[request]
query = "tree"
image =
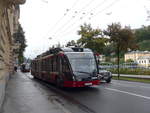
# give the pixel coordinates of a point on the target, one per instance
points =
(20, 38)
(144, 45)
(91, 38)
(71, 43)
(142, 34)
(122, 38)
(129, 61)
(109, 50)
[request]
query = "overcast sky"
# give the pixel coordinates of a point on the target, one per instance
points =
(49, 22)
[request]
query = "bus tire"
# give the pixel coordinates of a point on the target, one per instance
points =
(58, 82)
(35, 77)
(108, 80)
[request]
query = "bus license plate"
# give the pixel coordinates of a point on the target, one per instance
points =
(88, 84)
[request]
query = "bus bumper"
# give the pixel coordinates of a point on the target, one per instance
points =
(81, 83)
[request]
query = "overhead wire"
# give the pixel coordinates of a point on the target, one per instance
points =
(64, 15)
(73, 17)
(105, 8)
(86, 5)
(148, 13)
(57, 22)
(81, 18)
(97, 13)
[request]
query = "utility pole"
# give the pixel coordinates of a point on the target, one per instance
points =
(118, 60)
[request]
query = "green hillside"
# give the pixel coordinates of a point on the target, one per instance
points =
(143, 38)
(144, 45)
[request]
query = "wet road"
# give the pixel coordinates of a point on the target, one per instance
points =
(116, 97)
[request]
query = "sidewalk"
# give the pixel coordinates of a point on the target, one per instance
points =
(3, 82)
(23, 95)
(134, 76)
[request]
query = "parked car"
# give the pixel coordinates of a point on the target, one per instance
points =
(105, 75)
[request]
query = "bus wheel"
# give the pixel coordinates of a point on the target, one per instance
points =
(58, 82)
(108, 80)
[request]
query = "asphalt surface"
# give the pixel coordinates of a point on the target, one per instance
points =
(114, 97)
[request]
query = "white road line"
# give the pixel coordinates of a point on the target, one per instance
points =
(115, 83)
(129, 93)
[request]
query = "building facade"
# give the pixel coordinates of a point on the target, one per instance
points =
(135, 55)
(9, 15)
(144, 61)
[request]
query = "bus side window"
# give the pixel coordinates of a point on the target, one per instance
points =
(39, 65)
(58, 63)
(43, 65)
(65, 67)
(49, 65)
(35, 66)
(52, 64)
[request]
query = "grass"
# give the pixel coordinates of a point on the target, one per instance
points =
(132, 79)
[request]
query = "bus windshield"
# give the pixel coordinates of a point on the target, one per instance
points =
(82, 62)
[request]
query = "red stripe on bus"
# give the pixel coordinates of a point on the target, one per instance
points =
(80, 83)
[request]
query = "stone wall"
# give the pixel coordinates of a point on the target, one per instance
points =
(9, 15)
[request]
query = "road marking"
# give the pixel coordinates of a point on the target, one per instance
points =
(115, 83)
(129, 93)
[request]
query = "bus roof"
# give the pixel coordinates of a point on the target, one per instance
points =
(66, 49)
(76, 49)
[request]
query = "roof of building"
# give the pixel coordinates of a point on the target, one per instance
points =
(138, 52)
(144, 57)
